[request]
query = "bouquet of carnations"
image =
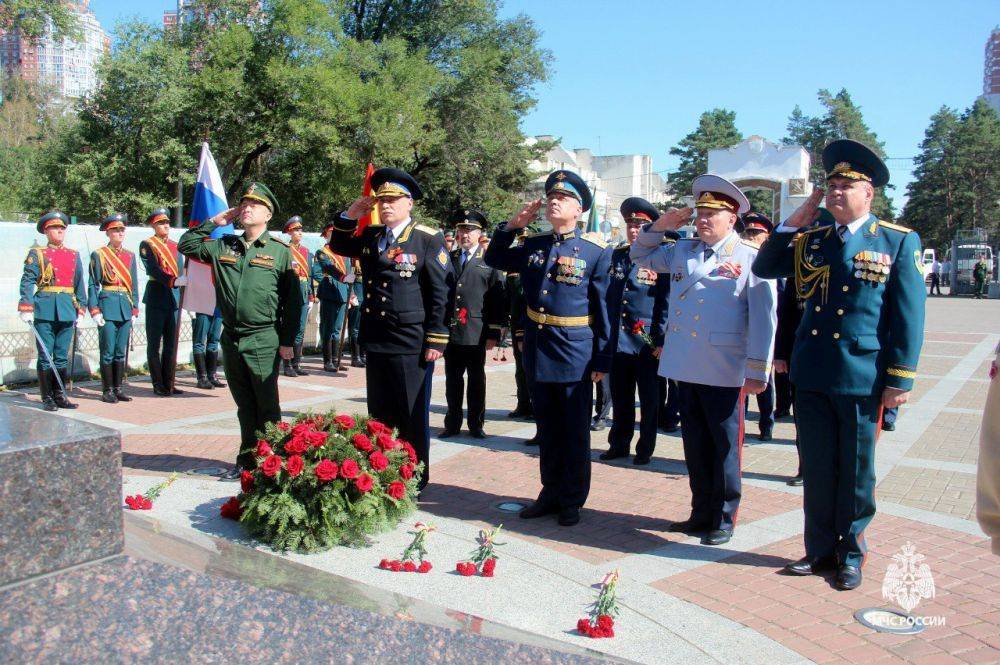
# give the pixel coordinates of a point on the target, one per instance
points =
(601, 622)
(483, 559)
(413, 558)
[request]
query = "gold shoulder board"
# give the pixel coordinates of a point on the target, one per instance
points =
(594, 238)
(894, 227)
(427, 229)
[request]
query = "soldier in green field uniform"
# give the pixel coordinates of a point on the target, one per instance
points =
(979, 274)
(162, 299)
(52, 299)
(113, 299)
(259, 295)
(856, 349)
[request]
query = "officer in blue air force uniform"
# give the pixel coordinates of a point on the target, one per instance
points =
(855, 350)
(719, 342)
(567, 340)
(637, 309)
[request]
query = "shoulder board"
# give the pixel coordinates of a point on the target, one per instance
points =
(519, 242)
(279, 241)
(689, 240)
(537, 234)
(749, 244)
(894, 227)
(595, 239)
(427, 229)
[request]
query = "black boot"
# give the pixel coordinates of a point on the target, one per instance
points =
(59, 394)
(117, 376)
(286, 368)
(211, 367)
(45, 390)
(107, 385)
(169, 382)
(297, 361)
(156, 376)
(357, 357)
(202, 372)
(328, 365)
(335, 354)
(362, 354)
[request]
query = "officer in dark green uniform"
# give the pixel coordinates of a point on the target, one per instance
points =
(162, 299)
(52, 299)
(855, 352)
(302, 261)
(113, 302)
(259, 294)
(333, 276)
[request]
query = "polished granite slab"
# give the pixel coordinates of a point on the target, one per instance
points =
(60, 493)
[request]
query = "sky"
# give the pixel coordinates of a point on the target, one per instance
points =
(633, 76)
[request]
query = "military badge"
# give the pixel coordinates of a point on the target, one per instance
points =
(729, 270)
(443, 257)
(405, 264)
(537, 258)
(645, 276)
(677, 276)
(393, 252)
(617, 271)
(570, 270)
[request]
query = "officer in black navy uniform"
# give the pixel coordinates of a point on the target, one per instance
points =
(756, 228)
(407, 276)
(637, 307)
(567, 341)
(477, 316)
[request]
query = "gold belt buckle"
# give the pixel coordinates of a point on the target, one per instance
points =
(541, 318)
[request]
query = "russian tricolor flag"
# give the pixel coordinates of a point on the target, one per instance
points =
(209, 200)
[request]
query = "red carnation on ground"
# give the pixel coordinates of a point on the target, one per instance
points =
(465, 568)
(397, 490)
(231, 509)
(316, 439)
(246, 481)
(378, 461)
(601, 623)
(364, 483)
(488, 567)
(409, 567)
(424, 567)
(263, 448)
(362, 443)
(344, 421)
(386, 442)
(406, 471)
(271, 466)
(295, 465)
(138, 502)
(296, 445)
(326, 470)
(349, 469)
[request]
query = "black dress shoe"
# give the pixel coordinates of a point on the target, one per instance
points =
(688, 526)
(781, 414)
(809, 565)
(795, 481)
(640, 460)
(477, 434)
(447, 433)
(537, 509)
(569, 516)
(612, 454)
(848, 577)
(717, 537)
(765, 435)
(533, 441)
(671, 428)
(888, 427)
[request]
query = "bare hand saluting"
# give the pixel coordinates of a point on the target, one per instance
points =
(360, 207)
(227, 216)
(806, 213)
(525, 216)
(671, 220)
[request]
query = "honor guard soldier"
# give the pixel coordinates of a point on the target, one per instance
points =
(407, 276)
(355, 301)
(334, 277)
(567, 340)
(637, 307)
(756, 229)
(477, 315)
(162, 299)
(261, 299)
(52, 300)
(719, 341)
(302, 262)
(855, 352)
(113, 302)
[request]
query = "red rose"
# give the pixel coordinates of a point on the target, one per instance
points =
(316, 439)
(296, 445)
(138, 502)
(246, 481)
(325, 471)
(317, 422)
(283, 426)
(295, 465)
(375, 427)
(384, 564)
(263, 448)
(349, 469)
(638, 328)
(424, 567)
(395, 566)
(344, 421)
(463, 315)
(378, 461)
(488, 567)
(406, 471)
(362, 443)
(409, 567)
(302, 429)
(397, 490)
(271, 466)
(410, 452)
(364, 483)
(386, 442)
(605, 622)
(231, 509)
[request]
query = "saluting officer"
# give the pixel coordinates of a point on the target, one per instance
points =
(720, 338)
(52, 302)
(260, 297)
(113, 302)
(567, 340)
(637, 306)
(302, 262)
(355, 301)
(756, 229)
(407, 275)
(162, 299)
(334, 278)
(477, 315)
(856, 350)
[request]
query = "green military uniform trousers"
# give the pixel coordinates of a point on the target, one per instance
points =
(113, 339)
(304, 317)
(206, 331)
(331, 320)
(57, 337)
(251, 362)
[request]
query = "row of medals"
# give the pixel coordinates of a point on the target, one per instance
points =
(872, 267)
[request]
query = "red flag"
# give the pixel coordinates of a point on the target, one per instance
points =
(366, 190)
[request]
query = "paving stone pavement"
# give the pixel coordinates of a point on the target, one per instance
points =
(925, 495)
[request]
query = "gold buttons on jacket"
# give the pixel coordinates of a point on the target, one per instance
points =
(624, 302)
(682, 297)
(694, 334)
(845, 288)
(840, 312)
(697, 317)
(836, 335)
(541, 309)
(818, 308)
(701, 301)
(815, 332)
(545, 292)
(383, 298)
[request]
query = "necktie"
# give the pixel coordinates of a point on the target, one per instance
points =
(465, 257)
(843, 230)
(386, 241)
(708, 253)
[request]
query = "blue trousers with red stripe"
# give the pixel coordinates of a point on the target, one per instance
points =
(712, 432)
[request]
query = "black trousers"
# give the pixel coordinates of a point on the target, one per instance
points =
(712, 432)
(784, 393)
(765, 406)
(521, 380)
(602, 406)
(670, 410)
(562, 414)
(630, 371)
(460, 360)
(399, 395)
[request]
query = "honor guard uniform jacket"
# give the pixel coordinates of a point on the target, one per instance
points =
(637, 304)
(329, 271)
(52, 284)
(113, 287)
(163, 266)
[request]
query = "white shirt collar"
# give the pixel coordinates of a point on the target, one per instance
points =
(717, 246)
(391, 234)
(855, 225)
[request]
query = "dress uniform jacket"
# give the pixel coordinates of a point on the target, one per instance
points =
(636, 295)
(302, 263)
(52, 284)
(329, 271)
(722, 318)
(163, 266)
(113, 287)
(477, 301)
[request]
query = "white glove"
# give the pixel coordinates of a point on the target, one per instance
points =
(135, 319)
(309, 306)
(27, 317)
(349, 278)
(79, 318)
(192, 314)
(181, 281)
(99, 320)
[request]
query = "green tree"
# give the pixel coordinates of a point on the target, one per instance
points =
(27, 117)
(31, 17)
(716, 129)
(931, 208)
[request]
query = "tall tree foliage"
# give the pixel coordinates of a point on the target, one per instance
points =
(27, 117)
(31, 17)
(716, 129)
